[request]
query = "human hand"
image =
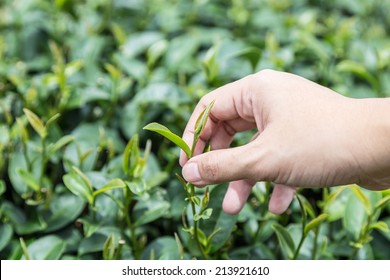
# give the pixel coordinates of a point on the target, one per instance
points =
(308, 136)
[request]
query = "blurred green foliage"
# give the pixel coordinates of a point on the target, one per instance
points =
(79, 79)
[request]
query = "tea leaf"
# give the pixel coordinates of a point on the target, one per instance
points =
(29, 179)
(2, 187)
(49, 247)
(52, 119)
(381, 226)
(161, 248)
(78, 186)
(36, 123)
(202, 120)
(112, 185)
(64, 209)
(156, 127)
(83, 177)
(354, 217)
(179, 246)
(109, 248)
(205, 215)
(195, 200)
(183, 182)
(285, 240)
(131, 155)
(206, 198)
(24, 249)
(22, 130)
(383, 202)
(148, 211)
(362, 197)
(62, 142)
(218, 219)
(315, 223)
(6, 233)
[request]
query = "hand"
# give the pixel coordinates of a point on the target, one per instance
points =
(308, 136)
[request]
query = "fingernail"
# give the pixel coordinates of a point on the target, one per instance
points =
(191, 172)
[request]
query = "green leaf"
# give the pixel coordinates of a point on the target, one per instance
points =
(109, 248)
(163, 248)
(195, 199)
(78, 186)
(359, 70)
(52, 120)
(73, 67)
(362, 197)
(83, 177)
(22, 222)
(285, 240)
(2, 187)
(92, 244)
(149, 211)
(354, 217)
(218, 220)
(383, 202)
(36, 123)
(63, 210)
(131, 156)
(381, 226)
(22, 130)
(179, 246)
(206, 198)
(182, 181)
(205, 215)
(156, 127)
(315, 223)
(112, 185)
(6, 233)
(202, 120)
(62, 142)
(24, 248)
(49, 247)
(29, 179)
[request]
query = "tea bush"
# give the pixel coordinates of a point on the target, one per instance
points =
(79, 80)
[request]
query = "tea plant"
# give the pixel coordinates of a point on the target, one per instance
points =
(79, 178)
(203, 242)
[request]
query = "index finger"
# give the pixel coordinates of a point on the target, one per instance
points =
(232, 112)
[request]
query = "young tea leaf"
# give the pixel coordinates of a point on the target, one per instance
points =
(179, 246)
(109, 248)
(112, 185)
(36, 123)
(205, 215)
(383, 202)
(182, 181)
(78, 186)
(29, 179)
(164, 131)
(315, 223)
(131, 156)
(362, 197)
(201, 123)
(52, 119)
(62, 142)
(381, 226)
(285, 240)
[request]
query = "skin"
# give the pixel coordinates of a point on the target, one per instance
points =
(308, 136)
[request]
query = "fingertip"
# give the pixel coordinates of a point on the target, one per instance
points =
(281, 199)
(236, 196)
(183, 159)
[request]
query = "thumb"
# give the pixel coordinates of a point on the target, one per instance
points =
(223, 165)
